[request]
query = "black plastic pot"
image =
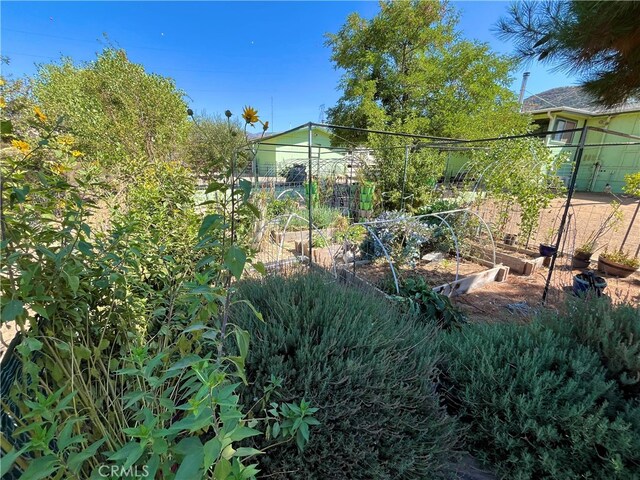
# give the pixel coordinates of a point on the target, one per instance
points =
(581, 260)
(547, 250)
(587, 282)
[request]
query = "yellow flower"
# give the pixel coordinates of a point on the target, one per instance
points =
(59, 168)
(41, 116)
(21, 145)
(76, 153)
(250, 115)
(66, 140)
(3, 104)
(1, 81)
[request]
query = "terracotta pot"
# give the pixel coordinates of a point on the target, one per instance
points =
(613, 268)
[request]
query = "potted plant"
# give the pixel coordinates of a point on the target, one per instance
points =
(547, 249)
(618, 264)
(582, 255)
(586, 282)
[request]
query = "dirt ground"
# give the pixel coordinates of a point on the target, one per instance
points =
(520, 297)
(587, 212)
(435, 273)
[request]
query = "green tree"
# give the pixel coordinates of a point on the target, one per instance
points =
(127, 127)
(598, 40)
(212, 141)
(408, 69)
(121, 116)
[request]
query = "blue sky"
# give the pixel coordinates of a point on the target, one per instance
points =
(224, 55)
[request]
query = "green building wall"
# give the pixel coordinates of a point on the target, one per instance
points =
(273, 155)
(600, 165)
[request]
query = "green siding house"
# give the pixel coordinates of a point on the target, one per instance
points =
(276, 152)
(567, 108)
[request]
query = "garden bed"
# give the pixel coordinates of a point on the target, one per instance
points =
(519, 260)
(441, 276)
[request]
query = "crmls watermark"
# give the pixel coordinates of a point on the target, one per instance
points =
(111, 471)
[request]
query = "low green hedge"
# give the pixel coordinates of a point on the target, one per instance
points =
(538, 405)
(368, 368)
(612, 331)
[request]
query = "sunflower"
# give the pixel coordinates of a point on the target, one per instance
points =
(21, 145)
(41, 116)
(250, 115)
(3, 103)
(76, 153)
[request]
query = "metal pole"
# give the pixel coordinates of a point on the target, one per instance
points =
(626, 235)
(309, 152)
(572, 186)
(525, 77)
(404, 175)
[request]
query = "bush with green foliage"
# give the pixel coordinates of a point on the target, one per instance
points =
(282, 206)
(369, 369)
(538, 405)
(322, 217)
(430, 305)
(121, 356)
(611, 330)
(400, 236)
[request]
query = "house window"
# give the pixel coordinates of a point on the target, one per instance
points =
(564, 124)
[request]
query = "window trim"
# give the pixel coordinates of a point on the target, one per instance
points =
(563, 137)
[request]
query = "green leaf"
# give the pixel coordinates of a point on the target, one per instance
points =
(196, 327)
(65, 437)
(253, 309)
(185, 362)
(245, 187)
(74, 283)
(246, 452)
(11, 310)
(6, 127)
(260, 268)
(222, 470)
(30, 344)
(235, 260)
(242, 340)
(216, 187)
(240, 433)
(209, 222)
(8, 460)
(41, 467)
(76, 460)
(250, 471)
(304, 429)
(253, 209)
(40, 310)
(212, 451)
(192, 464)
(128, 450)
